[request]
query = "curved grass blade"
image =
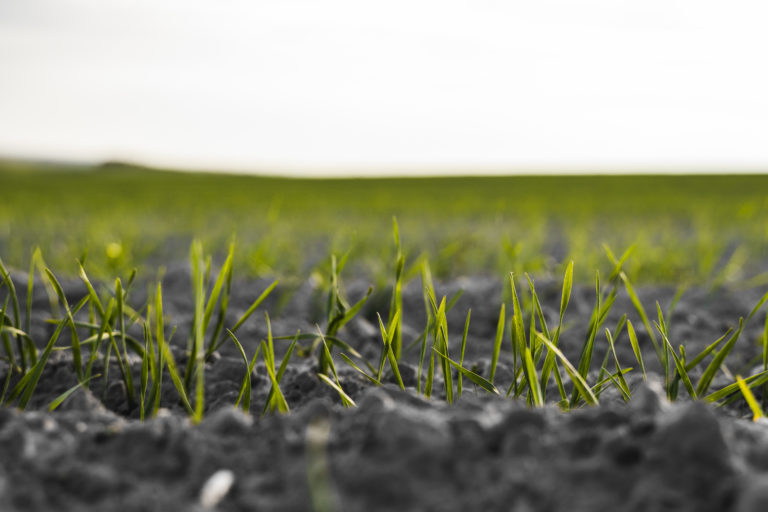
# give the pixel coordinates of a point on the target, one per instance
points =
(91, 291)
(16, 318)
(643, 316)
(76, 354)
(278, 399)
(345, 398)
(725, 392)
(680, 366)
(622, 383)
(283, 365)
(598, 388)
(60, 399)
(750, 398)
(178, 383)
(245, 388)
(472, 376)
(254, 306)
(26, 386)
(388, 338)
(636, 348)
(578, 381)
(708, 350)
(717, 361)
(351, 363)
(218, 287)
(332, 368)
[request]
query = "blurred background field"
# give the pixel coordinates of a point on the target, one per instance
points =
(707, 230)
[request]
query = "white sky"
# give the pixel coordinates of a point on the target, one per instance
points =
(344, 85)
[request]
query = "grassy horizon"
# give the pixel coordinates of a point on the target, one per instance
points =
(703, 229)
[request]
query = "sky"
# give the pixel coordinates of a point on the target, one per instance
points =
(396, 86)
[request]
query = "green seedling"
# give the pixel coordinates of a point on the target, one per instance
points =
(497, 344)
(396, 305)
(335, 383)
(388, 353)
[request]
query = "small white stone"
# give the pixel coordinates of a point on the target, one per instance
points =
(49, 425)
(216, 487)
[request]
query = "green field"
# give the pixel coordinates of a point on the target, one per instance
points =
(706, 230)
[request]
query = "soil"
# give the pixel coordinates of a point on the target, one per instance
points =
(396, 450)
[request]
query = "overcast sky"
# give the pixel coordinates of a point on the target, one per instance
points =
(344, 85)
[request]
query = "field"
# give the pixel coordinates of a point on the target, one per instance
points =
(177, 341)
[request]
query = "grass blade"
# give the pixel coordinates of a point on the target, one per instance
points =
(750, 398)
(708, 350)
(178, 383)
(60, 399)
(245, 388)
(198, 354)
(518, 327)
(497, 343)
(680, 366)
(387, 338)
(636, 348)
(254, 306)
(643, 316)
(348, 402)
(717, 361)
(16, 318)
(26, 386)
(622, 383)
(461, 353)
(549, 359)
(76, 355)
(472, 376)
(351, 363)
(283, 364)
(157, 382)
(396, 304)
(345, 398)
(532, 378)
(278, 398)
(578, 381)
(723, 393)
(31, 349)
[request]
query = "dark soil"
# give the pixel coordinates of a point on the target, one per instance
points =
(396, 450)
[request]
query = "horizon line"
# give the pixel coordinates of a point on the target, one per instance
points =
(395, 171)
